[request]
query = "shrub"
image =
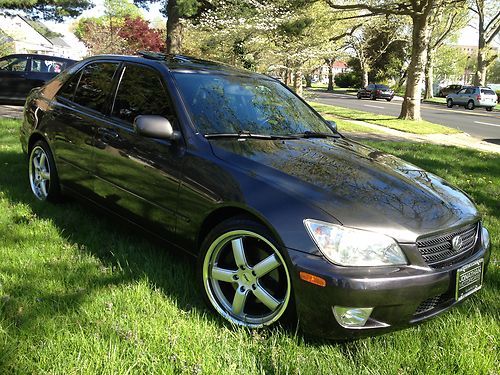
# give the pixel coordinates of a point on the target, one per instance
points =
(348, 79)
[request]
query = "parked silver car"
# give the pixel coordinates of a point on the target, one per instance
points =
(473, 96)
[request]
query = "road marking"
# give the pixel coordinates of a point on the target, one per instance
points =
(373, 106)
(486, 123)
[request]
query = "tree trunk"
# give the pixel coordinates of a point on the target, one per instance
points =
(297, 82)
(330, 77)
(365, 76)
(308, 78)
(410, 110)
(480, 76)
(429, 74)
(174, 28)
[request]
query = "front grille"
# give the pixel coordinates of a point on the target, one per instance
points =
(438, 251)
(430, 304)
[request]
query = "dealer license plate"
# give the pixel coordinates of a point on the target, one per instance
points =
(469, 279)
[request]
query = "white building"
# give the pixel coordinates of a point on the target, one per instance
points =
(26, 39)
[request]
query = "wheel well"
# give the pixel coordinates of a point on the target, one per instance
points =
(220, 215)
(35, 137)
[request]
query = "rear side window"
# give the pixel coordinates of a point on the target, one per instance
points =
(41, 65)
(95, 85)
(141, 92)
(68, 90)
(470, 90)
(14, 64)
(487, 92)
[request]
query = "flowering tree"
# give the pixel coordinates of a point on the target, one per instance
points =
(139, 36)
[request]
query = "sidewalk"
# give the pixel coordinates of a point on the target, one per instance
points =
(459, 140)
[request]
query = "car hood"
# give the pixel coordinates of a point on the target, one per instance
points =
(359, 186)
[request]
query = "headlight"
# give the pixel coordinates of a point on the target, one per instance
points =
(354, 247)
(485, 237)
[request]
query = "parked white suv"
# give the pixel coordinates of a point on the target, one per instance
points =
(473, 96)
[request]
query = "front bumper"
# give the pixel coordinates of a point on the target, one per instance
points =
(400, 296)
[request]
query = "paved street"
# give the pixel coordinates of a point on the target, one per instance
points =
(478, 123)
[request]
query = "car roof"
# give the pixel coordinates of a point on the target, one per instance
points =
(38, 55)
(181, 63)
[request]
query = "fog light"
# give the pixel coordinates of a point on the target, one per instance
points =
(351, 317)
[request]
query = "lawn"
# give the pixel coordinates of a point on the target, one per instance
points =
(416, 127)
(442, 101)
(81, 293)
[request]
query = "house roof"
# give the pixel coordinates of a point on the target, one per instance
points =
(58, 41)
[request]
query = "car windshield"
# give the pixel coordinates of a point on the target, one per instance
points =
(382, 87)
(230, 104)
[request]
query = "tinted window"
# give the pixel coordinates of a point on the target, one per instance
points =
(470, 90)
(43, 65)
(141, 92)
(487, 92)
(68, 90)
(14, 64)
(231, 104)
(461, 91)
(382, 87)
(370, 87)
(95, 85)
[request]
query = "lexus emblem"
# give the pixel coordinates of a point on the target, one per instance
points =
(456, 243)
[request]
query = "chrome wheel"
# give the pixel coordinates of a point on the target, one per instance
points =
(246, 279)
(39, 173)
(470, 105)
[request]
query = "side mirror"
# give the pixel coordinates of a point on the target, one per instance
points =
(154, 126)
(333, 125)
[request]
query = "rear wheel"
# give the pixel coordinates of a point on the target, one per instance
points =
(470, 105)
(358, 96)
(243, 275)
(449, 103)
(489, 109)
(44, 181)
(388, 99)
(373, 97)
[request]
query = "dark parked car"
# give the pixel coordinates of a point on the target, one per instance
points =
(21, 73)
(451, 89)
(287, 217)
(374, 91)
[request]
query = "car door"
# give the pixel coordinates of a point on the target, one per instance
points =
(13, 72)
(459, 97)
(77, 111)
(138, 177)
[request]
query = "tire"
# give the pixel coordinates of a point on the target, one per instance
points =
(44, 181)
(388, 99)
(470, 105)
(489, 109)
(373, 97)
(358, 96)
(243, 276)
(449, 103)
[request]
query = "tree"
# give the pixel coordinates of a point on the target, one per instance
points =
(372, 40)
(139, 36)
(419, 11)
(444, 25)
(48, 9)
(488, 26)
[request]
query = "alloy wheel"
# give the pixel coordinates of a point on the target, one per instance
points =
(246, 279)
(470, 105)
(39, 173)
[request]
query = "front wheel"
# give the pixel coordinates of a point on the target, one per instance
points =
(388, 99)
(470, 105)
(489, 109)
(449, 103)
(244, 277)
(358, 96)
(44, 181)
(373, 97)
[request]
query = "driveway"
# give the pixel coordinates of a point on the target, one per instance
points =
(12, 111)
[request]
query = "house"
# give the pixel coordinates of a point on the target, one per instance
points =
(24, 38)
(321, 73)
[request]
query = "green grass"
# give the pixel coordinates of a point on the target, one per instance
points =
(350, 127)
(82, 294)
(442, 101)
(416, 127)
(337, 90)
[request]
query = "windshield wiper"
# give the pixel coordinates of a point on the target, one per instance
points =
(247, 134)
(310, 134)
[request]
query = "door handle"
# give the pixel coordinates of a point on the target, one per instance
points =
(107, 134)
